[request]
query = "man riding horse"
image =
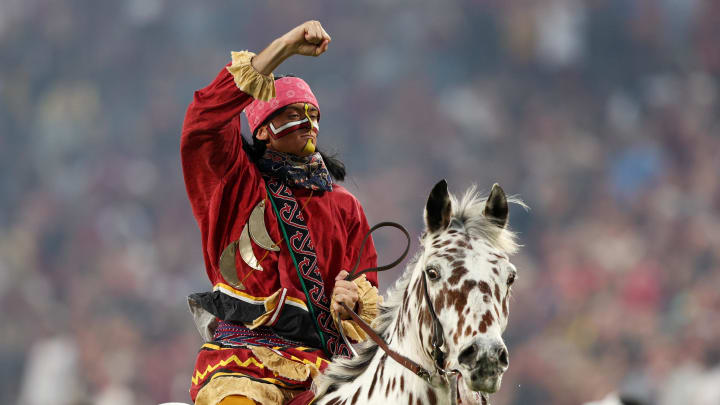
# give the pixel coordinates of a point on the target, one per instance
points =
(277, 231)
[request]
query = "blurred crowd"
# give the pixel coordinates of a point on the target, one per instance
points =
(602, 115)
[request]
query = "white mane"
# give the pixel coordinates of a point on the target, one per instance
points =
(469, 211)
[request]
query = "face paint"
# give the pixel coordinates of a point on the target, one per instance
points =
(309, 147)
(305, 123)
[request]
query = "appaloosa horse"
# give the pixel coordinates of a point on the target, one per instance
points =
(454, 294)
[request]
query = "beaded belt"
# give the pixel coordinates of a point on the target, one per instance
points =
(232, 334)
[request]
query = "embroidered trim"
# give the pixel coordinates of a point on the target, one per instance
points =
(232, 334)
(302, 252)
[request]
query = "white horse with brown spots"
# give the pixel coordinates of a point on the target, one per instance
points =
(464, 269)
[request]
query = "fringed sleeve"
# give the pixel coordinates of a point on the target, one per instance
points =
(249, 80)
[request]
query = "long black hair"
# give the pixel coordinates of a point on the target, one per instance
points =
(256, 149)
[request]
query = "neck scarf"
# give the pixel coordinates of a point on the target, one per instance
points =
(298, 171)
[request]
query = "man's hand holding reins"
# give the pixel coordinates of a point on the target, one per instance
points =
(346, 292)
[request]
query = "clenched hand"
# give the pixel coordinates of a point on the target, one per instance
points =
(346, 292)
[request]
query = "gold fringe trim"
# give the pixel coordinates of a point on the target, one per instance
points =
(282, 366)
(249, 80)
(368, 310)
(219, 388)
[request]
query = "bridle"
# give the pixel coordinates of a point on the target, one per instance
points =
(431, 377)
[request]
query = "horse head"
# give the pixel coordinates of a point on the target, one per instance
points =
(464, 266)
(446, 314)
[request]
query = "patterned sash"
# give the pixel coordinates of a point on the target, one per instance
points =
(302, 251)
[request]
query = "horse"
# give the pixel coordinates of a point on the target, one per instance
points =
(454, 294)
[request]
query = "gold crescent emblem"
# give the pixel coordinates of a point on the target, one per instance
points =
(227, 266)
(258, 231)
(246, 252)
(254, 229)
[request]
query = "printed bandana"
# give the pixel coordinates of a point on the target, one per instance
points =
(299, 171)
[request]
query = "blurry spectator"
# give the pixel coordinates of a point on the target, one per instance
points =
(602, 116)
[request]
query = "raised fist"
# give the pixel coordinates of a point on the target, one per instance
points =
(308, 38)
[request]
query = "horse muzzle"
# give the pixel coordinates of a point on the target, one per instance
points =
(482, 365)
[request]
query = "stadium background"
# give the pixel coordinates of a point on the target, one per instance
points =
(601, 114)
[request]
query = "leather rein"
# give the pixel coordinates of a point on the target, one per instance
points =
(437, 339)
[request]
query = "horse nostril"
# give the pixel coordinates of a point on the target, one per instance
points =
(503, 357)
(467, 356)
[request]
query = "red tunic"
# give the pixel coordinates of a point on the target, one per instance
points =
(224, 186)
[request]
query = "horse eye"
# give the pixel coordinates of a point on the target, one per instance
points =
(433, 273)
(511, 279)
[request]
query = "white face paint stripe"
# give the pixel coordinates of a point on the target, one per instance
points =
(292, 123)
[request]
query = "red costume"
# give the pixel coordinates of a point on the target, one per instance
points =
(278, 344)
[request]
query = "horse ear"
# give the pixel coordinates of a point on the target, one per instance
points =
(437, 209)
(496, 207)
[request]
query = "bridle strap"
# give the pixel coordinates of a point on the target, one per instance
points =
(437, 340)
(404, 361)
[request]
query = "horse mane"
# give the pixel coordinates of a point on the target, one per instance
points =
(469, 211)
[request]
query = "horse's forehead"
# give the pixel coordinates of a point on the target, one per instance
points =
(453, 244)
(467, 258)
